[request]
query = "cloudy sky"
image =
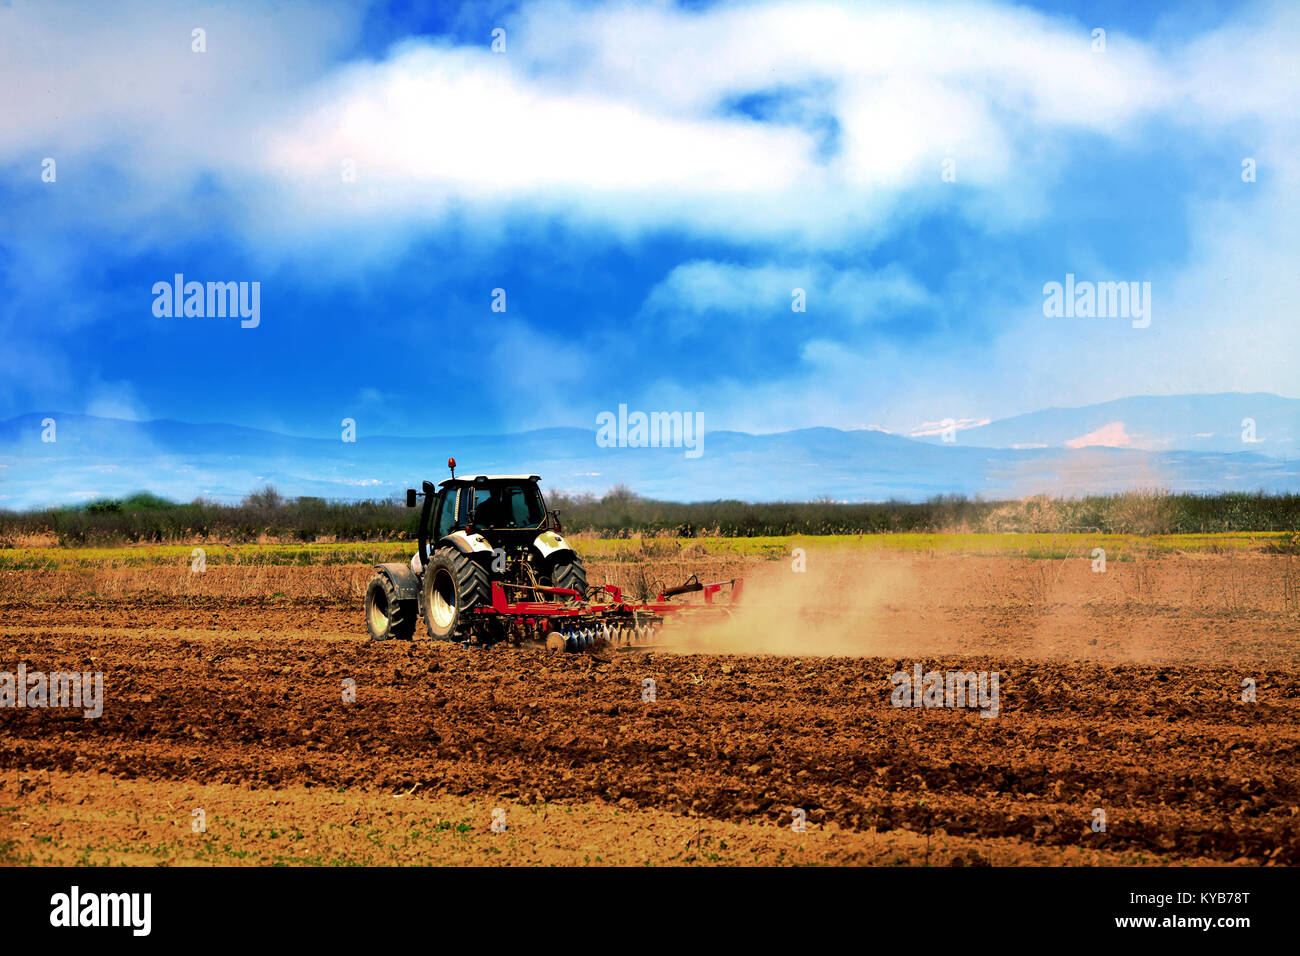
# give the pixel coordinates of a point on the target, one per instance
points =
(649, 184)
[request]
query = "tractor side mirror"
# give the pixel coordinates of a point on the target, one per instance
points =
(410, 497)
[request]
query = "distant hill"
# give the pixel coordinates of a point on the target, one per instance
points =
(1208, 423)
(1185, 443)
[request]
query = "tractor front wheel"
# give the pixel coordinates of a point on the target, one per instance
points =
(454, 584)
(567, 572)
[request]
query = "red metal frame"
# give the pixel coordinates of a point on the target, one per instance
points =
(576, 606)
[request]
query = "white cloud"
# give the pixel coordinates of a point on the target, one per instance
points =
(617, 116)
(121, 79)
(930, 429)
(701, 286)
(614, 115)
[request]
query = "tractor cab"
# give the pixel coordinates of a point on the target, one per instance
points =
(490, 502)
(506, 510)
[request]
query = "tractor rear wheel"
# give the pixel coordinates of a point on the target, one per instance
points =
(454, 584)
(386, 616)
(567, 572)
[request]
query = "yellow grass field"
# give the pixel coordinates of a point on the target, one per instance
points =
(1118, 547)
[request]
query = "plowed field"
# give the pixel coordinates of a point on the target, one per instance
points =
(1120, 699)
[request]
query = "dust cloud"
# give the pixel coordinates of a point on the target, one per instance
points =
(838, 605)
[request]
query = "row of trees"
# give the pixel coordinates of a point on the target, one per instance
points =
(268, 514)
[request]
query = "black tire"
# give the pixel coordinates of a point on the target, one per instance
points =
(567, 572)
(454, 584)
(387, 618)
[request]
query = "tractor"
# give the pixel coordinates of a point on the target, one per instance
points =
(474, 532)
(491, 564)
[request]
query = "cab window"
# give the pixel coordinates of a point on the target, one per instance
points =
(508, 506)
(444, 521)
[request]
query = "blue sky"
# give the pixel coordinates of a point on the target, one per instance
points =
(648, 183)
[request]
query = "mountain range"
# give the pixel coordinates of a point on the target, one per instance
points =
(1198, 443)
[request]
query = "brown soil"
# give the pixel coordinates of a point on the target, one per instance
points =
(1120, 693)
(68, 819)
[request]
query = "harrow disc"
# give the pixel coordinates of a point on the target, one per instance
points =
(634, 635)
(621, 636)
